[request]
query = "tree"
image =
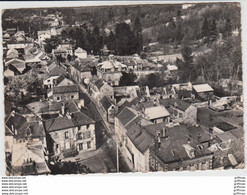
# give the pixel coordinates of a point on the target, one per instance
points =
(205, 28)
(213, 31)
(125, 40)
(228, 28)
(127, 79)
(111, 42)
(97, 40)
(186, 67)
(137, 29)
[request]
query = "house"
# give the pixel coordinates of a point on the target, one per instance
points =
(175, 150)
(62, 93)
(80, 53)
(51, 65)
(111, 71)
(28, 159)
(71, 133)
(203, 91)
(134, 140)
(20, 36)
(98, 88)
(80, 71)
(109, 109)
(126, 92)
(48, 81)
(180, 111)
(62, 81)
(8, 73)
(63, 50)
(23, 129)
(172, 71)
(154, 112)
(19, 64)
(18, 45)
(12, 53)
(6, 37)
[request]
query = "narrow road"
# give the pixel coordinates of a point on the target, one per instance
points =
(107, 126)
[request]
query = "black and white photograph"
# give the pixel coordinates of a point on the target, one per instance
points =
(132, 88)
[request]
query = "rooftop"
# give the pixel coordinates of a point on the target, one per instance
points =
(156, 112)
(65, 89)
(126, 116)
(203, 88)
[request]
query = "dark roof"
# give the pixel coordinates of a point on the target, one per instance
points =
(125, 104)
(82, 66)
(65, 89)
(106, 103)
(16, 120)
(126, 116)
(58, 123)
(81, 119)
(71, 107)
(147, 104)
(32, 129)
(199, 134)
(180, 104)
(140, 138)
(224, 126)
(60, 79)
(172, 150)
(57, 71)
(99, 83)
(65, 122)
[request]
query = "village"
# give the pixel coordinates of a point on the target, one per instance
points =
(71, 111)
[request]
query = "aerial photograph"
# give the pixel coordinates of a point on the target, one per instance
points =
(123, 88)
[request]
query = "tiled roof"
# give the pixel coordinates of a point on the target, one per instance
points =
(65, 89)
(77, 119)
(139, 137)
(58, 124)
(106, 103)
(81, 119)
(82, 65)
(99, 83)
(172, 149)
(180, 104)
(126, 116)
(33, 129)
(17, 121)
(199, 134)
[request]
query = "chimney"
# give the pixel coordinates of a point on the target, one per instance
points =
(119, 68)
(81, 103)
(164, 132)
(68, 116)
(63, 109)
(199, 137)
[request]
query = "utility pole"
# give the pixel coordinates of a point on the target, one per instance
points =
(117, 157)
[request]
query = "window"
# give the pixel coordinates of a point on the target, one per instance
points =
(200, 147)
(88, 145)
(72, 96)
(79, 136)
(66, 135)
(58, 98)
(48, 80)
(81, 146)
(67, 145)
